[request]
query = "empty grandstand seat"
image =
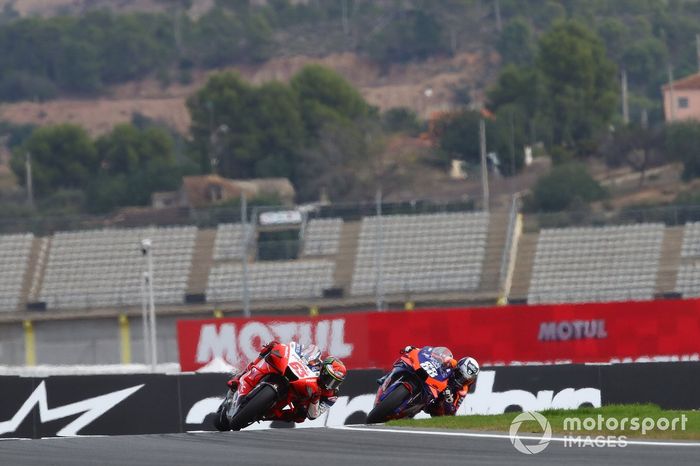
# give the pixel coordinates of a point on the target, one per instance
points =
(14, 257)
(103, 268)
(420, 253)
(229, 241)
(688, 280)
(613, 263)
(271, 280)
(322, 236)
(691, 240)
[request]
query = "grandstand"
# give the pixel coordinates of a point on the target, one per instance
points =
(688, 282)
(271, 280)
(332, 259)
(420, 253)
(103, 268)
(14, 257)
(614, 263)
(322, 237)
(434, 256)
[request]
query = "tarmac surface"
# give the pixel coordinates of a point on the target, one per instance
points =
(330, 447)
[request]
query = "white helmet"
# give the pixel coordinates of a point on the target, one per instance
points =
(467, 370)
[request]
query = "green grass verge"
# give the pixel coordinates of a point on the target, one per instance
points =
(501, 422)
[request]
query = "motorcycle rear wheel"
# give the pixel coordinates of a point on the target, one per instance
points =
(388, 405)
(255, 408)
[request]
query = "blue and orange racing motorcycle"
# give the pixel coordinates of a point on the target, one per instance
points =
(416, 380)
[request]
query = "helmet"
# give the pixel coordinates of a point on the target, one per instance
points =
(467, 370)
(332, 373)
(312, 355)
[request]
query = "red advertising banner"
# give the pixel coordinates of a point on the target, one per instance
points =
(546, 334)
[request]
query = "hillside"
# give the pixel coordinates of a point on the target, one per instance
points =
(56, 7)
(399, 85)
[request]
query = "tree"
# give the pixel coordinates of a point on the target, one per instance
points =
(516, 44)
(135, 163)
(580, 82)
(635, 146)
(509, 138)
(63, 157)
(342, 162)
(520, 86)
(401, 120)
(255, 131)
(127, 149)
(681, 141)
(324, 97)
(411, 35)
(458, 136)
(563, 187)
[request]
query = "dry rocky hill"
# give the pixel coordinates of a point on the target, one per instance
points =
(400, 85)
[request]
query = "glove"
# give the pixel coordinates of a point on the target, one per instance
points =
(407, 349)
(268, 347)
(234, 380)
(449, 397)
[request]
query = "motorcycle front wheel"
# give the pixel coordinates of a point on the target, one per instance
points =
(255, 408)
(221, 421)
(387, 407)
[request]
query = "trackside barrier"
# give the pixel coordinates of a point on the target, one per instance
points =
(664, 330)
(152, 403)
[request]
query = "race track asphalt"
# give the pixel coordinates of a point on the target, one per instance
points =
(323, 446)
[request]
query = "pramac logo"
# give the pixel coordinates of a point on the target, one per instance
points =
(238, 344)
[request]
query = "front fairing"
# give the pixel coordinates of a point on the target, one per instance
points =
(434, 368)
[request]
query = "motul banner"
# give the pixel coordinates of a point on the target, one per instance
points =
(511, 335)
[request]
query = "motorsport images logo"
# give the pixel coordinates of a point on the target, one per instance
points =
(587, 431)
(517, 440)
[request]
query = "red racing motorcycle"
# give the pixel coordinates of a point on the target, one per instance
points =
(268, 389)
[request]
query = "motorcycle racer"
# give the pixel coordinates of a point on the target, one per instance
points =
(321, 396)
(331, 376)
(464, 375)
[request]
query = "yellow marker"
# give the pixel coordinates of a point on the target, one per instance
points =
(29, 344)
(313, 311)
(409, 305)
(218, 314)
(502, 301)
(125, 339)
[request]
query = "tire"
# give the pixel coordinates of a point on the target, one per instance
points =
(255, 408)
(388, 405)
(220, 420)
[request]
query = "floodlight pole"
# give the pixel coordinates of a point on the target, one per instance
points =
(30, 187)
(144, 319)
(378, 253)
(152, 312)
(244, 255)
(147, 251)
(484, 167)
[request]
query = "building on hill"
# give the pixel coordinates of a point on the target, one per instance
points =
(682, 99)
(209, 190)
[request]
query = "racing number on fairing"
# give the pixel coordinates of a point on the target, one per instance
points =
(299, 369)
(429, 368)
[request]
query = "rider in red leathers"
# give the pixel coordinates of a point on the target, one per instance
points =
(331, 374)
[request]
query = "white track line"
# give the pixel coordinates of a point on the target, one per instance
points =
(504, 436)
